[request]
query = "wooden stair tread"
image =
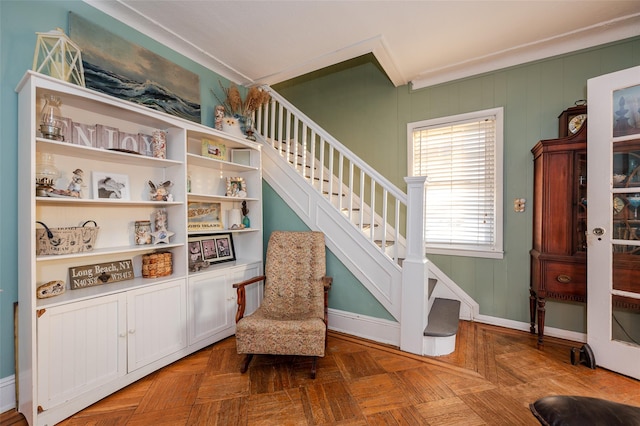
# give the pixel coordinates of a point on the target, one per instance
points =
(443, 318)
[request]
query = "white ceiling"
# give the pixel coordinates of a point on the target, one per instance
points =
(418, 42)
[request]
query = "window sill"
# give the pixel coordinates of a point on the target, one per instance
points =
(465, 253)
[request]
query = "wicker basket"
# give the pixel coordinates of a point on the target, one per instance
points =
(73, 239)
(156, 265)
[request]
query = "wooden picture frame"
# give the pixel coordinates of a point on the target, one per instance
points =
(236, 187)
(211, 248)
(110, 186)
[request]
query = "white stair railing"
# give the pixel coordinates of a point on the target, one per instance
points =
(370, 201)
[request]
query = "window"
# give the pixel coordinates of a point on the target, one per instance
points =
(461, 156)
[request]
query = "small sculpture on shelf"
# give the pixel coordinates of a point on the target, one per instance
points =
(74, 189)
(50, 289)
(245, 219)
(161, 234)
(160, 192)
(75, 186)
(219, 116)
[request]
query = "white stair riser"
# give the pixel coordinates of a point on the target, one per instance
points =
(438, 346)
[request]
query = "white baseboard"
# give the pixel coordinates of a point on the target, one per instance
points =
(376, 329)
(525, 326)
(7, 393)
(388, 332)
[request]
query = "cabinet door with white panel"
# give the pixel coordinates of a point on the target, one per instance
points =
(156, 322)
(212, 302)
(81, 346)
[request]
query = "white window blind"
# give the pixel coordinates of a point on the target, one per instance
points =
(462, 161)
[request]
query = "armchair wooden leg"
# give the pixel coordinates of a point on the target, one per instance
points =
(245, 363)
(314, 361)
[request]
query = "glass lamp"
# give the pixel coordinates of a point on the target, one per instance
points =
(46, 174)
(56, 55)
(50, 124)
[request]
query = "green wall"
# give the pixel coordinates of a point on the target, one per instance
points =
(358, 105)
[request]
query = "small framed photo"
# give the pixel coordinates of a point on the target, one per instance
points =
(110, 186)
(236, 187)
(211, 249)
(213, 149)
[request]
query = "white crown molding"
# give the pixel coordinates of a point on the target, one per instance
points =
(606, 32)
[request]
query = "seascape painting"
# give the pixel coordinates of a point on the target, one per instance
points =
(122, 69)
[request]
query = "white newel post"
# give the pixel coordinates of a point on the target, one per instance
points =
(414, 270)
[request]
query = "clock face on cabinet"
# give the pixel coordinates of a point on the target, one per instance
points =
(576, 123)
(572, 119)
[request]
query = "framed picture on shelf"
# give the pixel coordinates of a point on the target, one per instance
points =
(236, 187)
(241, 156)
(204, 217)
(110, 186)
(211, 249)
(213, 149)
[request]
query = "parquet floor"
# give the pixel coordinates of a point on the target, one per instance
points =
(492, 377)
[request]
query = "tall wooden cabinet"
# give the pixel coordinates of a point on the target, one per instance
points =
(79, 346)
(558, 255)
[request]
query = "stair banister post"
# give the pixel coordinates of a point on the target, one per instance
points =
(413, 317)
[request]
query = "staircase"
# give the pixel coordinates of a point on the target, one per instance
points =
(375, 229)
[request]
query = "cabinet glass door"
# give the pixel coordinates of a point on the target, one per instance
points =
(613, 224)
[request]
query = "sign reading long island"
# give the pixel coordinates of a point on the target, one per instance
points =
(101, 273)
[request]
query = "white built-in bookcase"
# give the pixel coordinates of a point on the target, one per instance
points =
(77, 347)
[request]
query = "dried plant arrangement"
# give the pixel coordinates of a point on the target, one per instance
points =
(255, 98)
(235, 106)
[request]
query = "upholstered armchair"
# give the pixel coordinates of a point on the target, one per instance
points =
(292, 318)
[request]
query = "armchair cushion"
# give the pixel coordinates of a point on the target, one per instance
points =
(261, 335)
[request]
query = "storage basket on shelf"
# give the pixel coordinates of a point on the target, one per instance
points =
(156, 265)
(68, 240)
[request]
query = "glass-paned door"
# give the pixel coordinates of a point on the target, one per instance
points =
(613, 223)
